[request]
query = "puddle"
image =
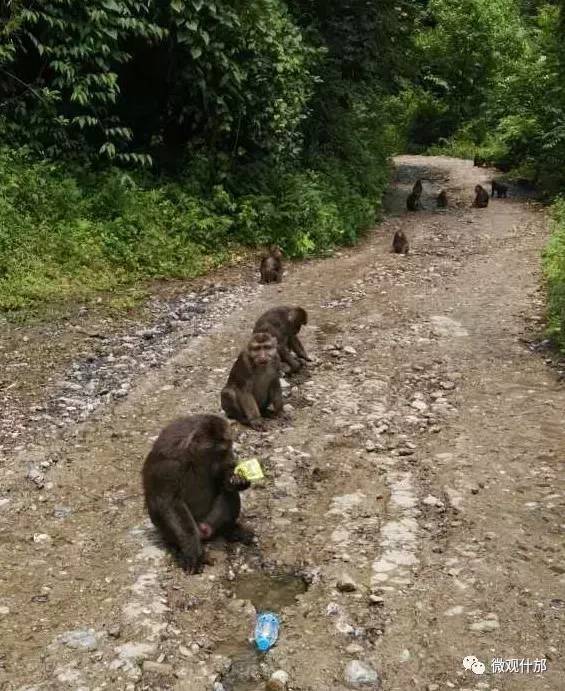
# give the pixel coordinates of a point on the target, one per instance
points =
(272, 592)
(266, 592)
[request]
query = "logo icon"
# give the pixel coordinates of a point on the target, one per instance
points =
(473, 664)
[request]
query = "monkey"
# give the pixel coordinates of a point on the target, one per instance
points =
(442, 200)
(253, 383)
(481, 198)
(191, 491)
(400, 243)
(284, 323)
(271, 266)
(500, 188)
(413, 201)
(479, 161)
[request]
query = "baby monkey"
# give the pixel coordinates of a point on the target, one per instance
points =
(400, 244)
(271, 266)
(481, 197)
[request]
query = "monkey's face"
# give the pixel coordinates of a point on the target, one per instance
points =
(262, 349)
(478, 188)
(276, 252)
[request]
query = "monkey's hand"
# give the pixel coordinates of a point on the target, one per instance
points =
(236, 483)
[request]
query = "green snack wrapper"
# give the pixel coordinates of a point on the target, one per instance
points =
(251, 470)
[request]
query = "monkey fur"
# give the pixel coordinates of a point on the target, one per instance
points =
(284, 323)
(191, 492)
(253, 383)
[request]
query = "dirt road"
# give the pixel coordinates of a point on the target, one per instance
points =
(413, 508)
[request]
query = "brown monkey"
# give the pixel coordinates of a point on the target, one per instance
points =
(253, 383)
(413, 202)
(481, 198)
(271, 266)
(284, 323)
(191, 491)
(500, 188)
(400, 243)
(479, 161)
(442, 200)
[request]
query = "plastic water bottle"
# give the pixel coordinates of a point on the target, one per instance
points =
(266, 630)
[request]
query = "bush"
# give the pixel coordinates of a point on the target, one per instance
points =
(65, 235)
(554, 269)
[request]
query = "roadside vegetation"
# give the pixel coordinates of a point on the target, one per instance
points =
(153, 139)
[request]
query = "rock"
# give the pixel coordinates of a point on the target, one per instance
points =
(278, 681)
(288, 408)
(350, 350)
(79, 639)
(36, 476)
(284, 384)
(358, 673)
(370, 446)
(354, 649)
(41, 538)
(376, 600)
(404, 655)
(62, 511)
(419, 405)
(485, 625)
(430, 500)
(157, 668)
(346, 584)
(4, 611)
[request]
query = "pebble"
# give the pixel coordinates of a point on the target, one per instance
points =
(346, 584)
(359, 673)
(350, 350)
(430, 500)
(485, 625)
(354, 649)
(37, 477)
(157, 668)
(4, 611)
(77, 639)
(41, 538)
(278, 681)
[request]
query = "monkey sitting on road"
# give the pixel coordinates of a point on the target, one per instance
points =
(400, 243)
(500, 188)
(253, 383)
(442, 200)
(284, 323)
(271, 266)
(481, 197)
(191, 491)
(413, 201)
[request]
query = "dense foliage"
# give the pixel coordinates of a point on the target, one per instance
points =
(148, 138)
(492, 82)
(153, 135)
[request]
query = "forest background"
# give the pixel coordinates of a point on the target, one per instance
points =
(156, 138)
